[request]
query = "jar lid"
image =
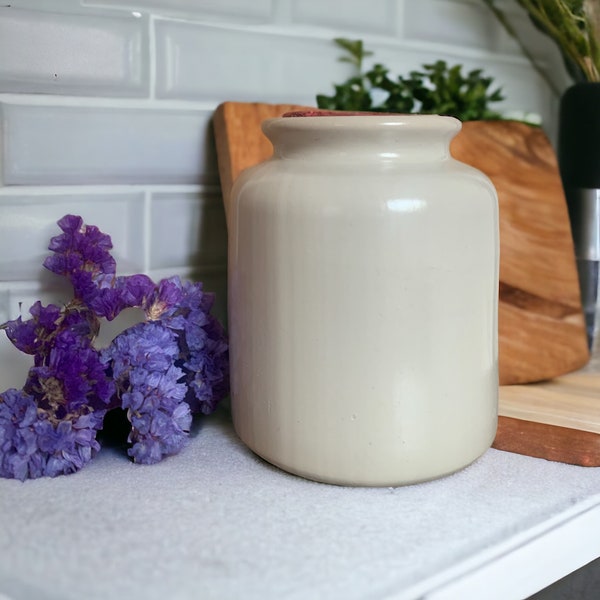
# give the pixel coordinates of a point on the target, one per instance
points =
(334, 113)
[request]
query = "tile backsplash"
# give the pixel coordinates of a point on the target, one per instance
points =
(100, 145)
(105, 110)
(73, 53)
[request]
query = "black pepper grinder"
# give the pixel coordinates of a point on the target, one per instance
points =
(579, 160)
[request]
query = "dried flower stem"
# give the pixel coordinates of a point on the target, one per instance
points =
(574, 25)
(571, 31)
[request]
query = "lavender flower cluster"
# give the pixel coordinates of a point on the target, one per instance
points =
(159, 371)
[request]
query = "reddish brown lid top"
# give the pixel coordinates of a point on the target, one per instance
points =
(331, 113)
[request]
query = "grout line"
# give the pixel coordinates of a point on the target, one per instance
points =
(320, 33)
(147, 220)
(72, 190)
(400, 18)
(20, 286)
(29, 99)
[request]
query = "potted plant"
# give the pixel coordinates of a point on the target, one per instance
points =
(436, 89)
(574, 25)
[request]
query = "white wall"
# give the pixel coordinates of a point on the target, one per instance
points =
(105, 108)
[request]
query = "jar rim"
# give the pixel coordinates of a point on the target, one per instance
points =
(313, 120)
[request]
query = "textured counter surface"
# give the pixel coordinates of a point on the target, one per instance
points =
(218, 522)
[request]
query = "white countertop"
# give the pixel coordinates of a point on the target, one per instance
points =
(218, 522)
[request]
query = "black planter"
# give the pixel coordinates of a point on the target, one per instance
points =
(579, 160)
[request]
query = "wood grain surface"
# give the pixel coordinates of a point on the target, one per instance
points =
(559, 444)
(571, 401)
(239, 138)
(541, 325)
(557, 420)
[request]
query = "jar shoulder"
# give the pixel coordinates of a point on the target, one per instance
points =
(384, 178)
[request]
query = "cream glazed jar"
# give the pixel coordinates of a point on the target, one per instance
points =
(363, 286)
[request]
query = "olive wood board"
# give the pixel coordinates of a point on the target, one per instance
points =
(541, 329)
(557, 420)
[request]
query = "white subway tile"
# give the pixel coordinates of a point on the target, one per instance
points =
(14, 364)
(523, 91)
(457, 22)
(377, 16)
(238, 10)
(73, 54)
(212, 62)
(4, 313)
(97, 145)
(187, 229)
(27, 222)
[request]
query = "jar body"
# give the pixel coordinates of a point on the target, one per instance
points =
(363, 311)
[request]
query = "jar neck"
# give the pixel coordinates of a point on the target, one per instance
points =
(356, 139)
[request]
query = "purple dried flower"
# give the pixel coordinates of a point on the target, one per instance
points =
(159, 371)
(82, 254)
(168, 296)
(146, 345)
(29, 336)
(157, 434)
(136, 290)
(71, 378)
(143, 365)
(114, 294)
(207, 371)
(185, 308)
(34, 444)
(37, 335)
(80, 249)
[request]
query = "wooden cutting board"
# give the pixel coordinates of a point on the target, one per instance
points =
(541, 325)
(557, 420)
(540, 320)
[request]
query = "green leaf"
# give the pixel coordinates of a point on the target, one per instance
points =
(437, 88)
(355, 49)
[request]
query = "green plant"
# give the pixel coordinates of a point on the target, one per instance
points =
(574, 25)
(436, 89)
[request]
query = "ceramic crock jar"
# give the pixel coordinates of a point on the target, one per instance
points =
(363, 270)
